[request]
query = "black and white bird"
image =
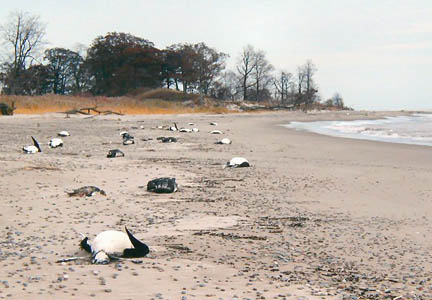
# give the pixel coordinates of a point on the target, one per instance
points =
(35, 148)
(127, 138)
(168, 139)
(115, 153)
(55, 142)
(112, 244)
(173, 128)
(162, 185)
(213, 123)
(238, 162)
(224, 141)
(216, 132)
(185, 130)
(63, 133)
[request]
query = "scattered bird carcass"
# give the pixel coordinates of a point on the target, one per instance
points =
(162, 185)
(128, 141)
(55, 142)
(173, 128)
(115, 153)
(87, 191)
(237, 162)
(224, 141)
(216, 132)
(127, 138)
(35, 148)
(111, 245)
(63, 133)
(168, 139)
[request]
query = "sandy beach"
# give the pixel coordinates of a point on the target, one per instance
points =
(314, 217)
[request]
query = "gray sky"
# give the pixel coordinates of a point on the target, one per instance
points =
(376, 53)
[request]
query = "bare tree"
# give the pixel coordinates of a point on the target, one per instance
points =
(309, 70)
(226, 87)
(306, 88)
(245, 67)
(83, 80)
(283, 83)
(337, 100)
(299, 81)
(262, 73)
(23, 35)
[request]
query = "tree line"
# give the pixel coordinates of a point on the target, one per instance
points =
(120, 63)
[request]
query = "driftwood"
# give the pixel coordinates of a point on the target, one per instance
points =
(6, 109)
(42, 168)
(68, 259)
(88, 110)
(221, 179)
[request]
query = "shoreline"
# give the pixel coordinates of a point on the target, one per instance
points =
(386, 129)
(315, 216)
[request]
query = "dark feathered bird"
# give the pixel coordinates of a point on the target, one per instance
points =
(115, 153)
(168, 139)
(162, 185)
(127, 138)
(86, 191)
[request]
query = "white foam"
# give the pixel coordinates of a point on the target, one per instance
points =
(415, 129)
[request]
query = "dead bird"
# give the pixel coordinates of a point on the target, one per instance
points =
(224, 141)
(127, 138)
(112, 244)
(115, 153)
(33, 148)
(168, 139)
(87, 191)
(162, 185)
(237, 162)
(173, 128)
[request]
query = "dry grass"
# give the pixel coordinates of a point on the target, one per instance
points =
(141, 104)
(167, 95)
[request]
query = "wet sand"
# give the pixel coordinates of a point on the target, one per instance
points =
(314, 217)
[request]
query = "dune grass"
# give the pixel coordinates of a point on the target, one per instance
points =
(167, 95)
(146, 103)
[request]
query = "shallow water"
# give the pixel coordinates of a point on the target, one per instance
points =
(415, 129)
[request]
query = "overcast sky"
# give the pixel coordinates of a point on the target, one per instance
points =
(376, 54)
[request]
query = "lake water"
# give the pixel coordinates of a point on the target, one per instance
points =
(415, 129)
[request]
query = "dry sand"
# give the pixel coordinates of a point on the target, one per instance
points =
(315, 217)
